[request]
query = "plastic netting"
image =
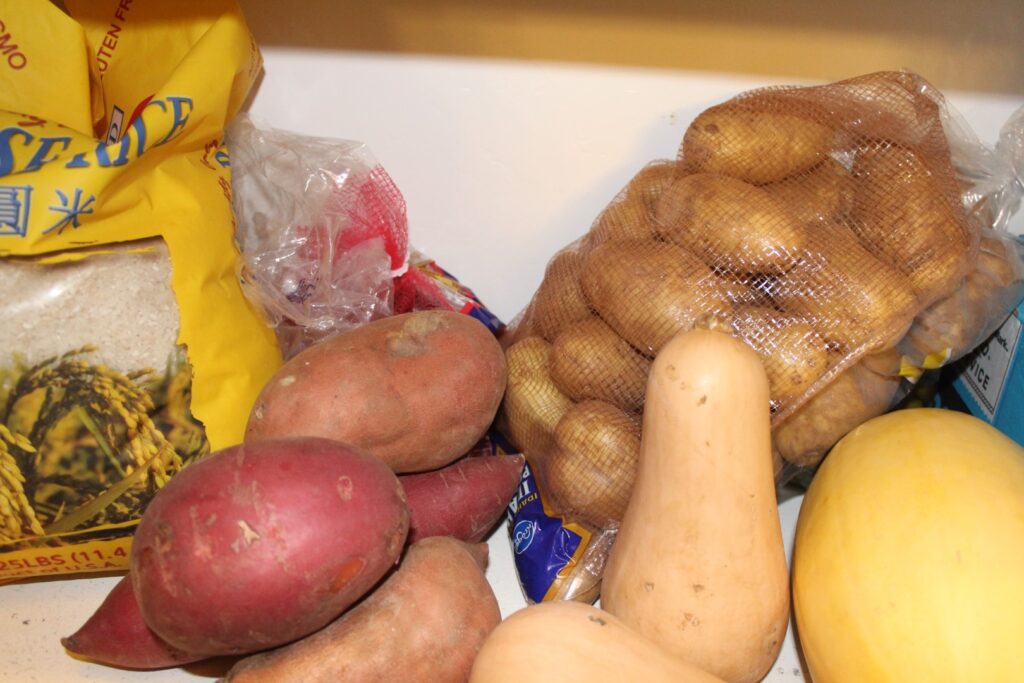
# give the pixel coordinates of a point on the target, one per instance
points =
(832, 226)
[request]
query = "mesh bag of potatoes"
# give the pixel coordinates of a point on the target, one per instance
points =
(834, 226)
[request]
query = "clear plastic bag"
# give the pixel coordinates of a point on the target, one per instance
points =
(322, 228)
(852, 234)
(324, 235)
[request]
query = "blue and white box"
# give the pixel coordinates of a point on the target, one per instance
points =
(989, 382)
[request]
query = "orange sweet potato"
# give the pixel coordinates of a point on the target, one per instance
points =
(416, 390)
(427, 622)
(259, 544)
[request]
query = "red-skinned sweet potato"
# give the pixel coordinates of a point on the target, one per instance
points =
(465, 499)
(117, 635)
(416, 390)
(262, 543)
(427, 622)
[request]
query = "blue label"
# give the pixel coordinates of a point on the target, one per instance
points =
(989, 382)
(480, 312)
(543, 547)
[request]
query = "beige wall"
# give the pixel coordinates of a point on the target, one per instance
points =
(956, 45)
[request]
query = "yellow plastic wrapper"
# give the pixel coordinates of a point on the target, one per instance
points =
(127, 346)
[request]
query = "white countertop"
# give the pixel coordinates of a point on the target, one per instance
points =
(501, 164)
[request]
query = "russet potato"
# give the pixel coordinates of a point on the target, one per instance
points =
(852, 298)
(649, 291)
(731, 225)
(533, 405)
(559, 300)
(593, 467)
(822, 194)
(794, 354)
(590, 361)
(851, 398)
(911, 219)
(756, 145)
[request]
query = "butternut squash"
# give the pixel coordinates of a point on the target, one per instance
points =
(568, 641)
(699, 565)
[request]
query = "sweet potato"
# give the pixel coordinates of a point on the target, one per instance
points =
(416, 390)
(117, 635)
(262, 543)
(427, 622)
(465, 499)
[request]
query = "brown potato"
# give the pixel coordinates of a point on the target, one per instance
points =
(999, 260)
(892, 102)
(852, 298)
(933, 278)
(746, 289)
(416, 390)
(886, 362)
(731, 225)
(779, 466)
(853, 397)
(651, 181)
(756, 146)
(649, 291)
(631, 214)
(945, 330)
(793, 354)
(627, 217)
(820, 195)
(953, 326)
(995, 285)
(590, 361)
(593, 467)
(909, 215)
(559, 300)
(533, 405)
